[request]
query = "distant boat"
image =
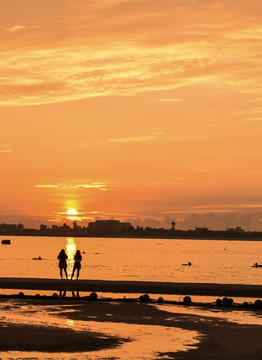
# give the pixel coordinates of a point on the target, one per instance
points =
(256, 265)
(6, 242)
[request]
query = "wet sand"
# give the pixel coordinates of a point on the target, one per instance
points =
(220, 339)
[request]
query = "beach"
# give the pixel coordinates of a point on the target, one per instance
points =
(217, 337)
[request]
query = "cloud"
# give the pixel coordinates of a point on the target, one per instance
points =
(47, 186)
(17, 28)
(212, 220)
(214, 124)
(139, 138)
(222, 220)
(141, 47)
(95, 185)
(252, 119)
(5, 148)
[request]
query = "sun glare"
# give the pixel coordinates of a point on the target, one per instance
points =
(71, 212)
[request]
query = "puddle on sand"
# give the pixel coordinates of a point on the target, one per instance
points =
(146, 340)
(241, 317)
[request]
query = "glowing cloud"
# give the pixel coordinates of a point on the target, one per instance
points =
(140, 138)
(58, 69)
(94, 185)
(5, 148)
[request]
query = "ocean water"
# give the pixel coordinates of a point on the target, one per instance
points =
(214, 261)
(128, 259)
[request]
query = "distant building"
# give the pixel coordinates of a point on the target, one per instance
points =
(236, 229)
(11, 228)
(65, 227)
(20, 227)
(201, 229)
(109, 227)
(173, 223)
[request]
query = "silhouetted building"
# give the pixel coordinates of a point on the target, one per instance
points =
(20, 227)
(65, 227)
(109, 227)
(201, 229)
(236, 229)
(11, 228)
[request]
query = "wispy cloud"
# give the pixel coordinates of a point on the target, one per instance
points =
(252, 119)
(5, 148)
(139, 138)
(95, 185)
(214, 124)
(49, 186)
(21, 27)
(75, 64)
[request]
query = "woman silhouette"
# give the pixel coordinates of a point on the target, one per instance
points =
(77, 264)
(62, 263)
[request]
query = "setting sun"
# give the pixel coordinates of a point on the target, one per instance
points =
(71, 212)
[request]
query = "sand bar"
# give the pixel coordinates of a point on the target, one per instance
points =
(150, 287)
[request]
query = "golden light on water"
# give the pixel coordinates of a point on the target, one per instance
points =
(70, 251)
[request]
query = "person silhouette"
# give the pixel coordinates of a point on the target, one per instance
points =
(62, 263)
(77, 264)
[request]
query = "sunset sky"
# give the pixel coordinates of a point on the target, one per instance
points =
(138, 110)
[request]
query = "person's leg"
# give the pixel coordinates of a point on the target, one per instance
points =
(73, 273)
(61, 275)
(77, 274)
(65, 272)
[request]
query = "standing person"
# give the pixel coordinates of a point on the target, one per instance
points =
(77, 264)
(62, 263)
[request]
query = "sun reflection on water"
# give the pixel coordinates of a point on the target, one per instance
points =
(70, 323)
(70, 250)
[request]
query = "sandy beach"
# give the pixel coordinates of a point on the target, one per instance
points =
(218, 338)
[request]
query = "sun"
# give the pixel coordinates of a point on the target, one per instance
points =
(72, 212)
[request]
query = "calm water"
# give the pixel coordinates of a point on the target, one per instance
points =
(136, 259)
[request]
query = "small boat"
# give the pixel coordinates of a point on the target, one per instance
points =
(188, 264)
(39, 258)
(6, 242)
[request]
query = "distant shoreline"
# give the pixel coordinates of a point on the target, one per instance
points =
(163, 237)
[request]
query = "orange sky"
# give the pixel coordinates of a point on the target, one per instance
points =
(132, 109)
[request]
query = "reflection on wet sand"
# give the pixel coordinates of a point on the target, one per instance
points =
(93, 330)
(141, 341)
(238, 316)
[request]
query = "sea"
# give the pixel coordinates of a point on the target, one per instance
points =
(213, 261)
